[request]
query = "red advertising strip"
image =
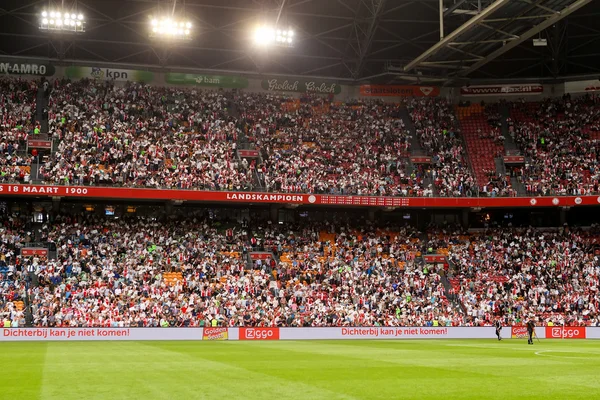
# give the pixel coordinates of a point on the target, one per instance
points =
(399, 91)
(283, 198)
(565, 332)
(260, 256)
(40, 144)
(518, 332)
(434, 259)
(259, 334)
(514, 159)
(248, 153)
(420, 160)
(215, 334)
(34, 251)
(532, 89)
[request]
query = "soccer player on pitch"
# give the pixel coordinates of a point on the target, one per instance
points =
(498, 326)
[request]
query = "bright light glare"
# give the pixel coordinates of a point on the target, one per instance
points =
(45, 14)
(170, 27)
(52, 14)
(51, 22)
(45, 21)
(265, 36)
(80, 17)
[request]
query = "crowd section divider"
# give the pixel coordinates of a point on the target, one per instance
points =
(274, 333)
(112, 193)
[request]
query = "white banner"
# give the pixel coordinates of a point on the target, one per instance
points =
(335, 333)
(388, 333)
(593, 332)
(582, 86)
(90, 334)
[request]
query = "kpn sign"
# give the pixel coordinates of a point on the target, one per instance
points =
(113, 74)
(301, 86)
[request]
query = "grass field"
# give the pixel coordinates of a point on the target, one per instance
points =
(459, 369)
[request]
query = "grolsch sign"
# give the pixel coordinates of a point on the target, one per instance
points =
(301, 86)
(26, 68)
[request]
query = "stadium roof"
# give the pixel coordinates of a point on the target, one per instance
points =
(379, 40)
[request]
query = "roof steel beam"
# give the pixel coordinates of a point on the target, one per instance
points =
(467, 26)
(527, 35)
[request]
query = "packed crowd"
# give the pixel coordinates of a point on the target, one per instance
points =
(145, 136)
(514, 274)
(132, 272)
(438, 135)
(17, 123)
(113, 273)
(318, 146)
(563, 159)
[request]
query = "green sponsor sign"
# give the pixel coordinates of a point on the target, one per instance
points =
(25, 67)
(109, 74)
(227, 82)
(301, 86)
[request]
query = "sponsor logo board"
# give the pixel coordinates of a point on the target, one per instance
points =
(502, 90)
(215, 334)
(565, 332)
(259, 333)
(33, 251)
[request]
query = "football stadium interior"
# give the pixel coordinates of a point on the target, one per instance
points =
(267, 198)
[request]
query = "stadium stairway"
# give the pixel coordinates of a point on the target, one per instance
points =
(481, 151)
(415, 145)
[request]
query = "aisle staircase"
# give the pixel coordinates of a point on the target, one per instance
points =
(481, 151)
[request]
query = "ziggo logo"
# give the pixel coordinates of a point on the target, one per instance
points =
(259, 333)
(566, 332)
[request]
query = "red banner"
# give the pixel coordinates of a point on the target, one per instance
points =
(40, 144)
(531, 89)
(248, 153)
(259, 333)
(215, 334)
(434, 259)
(565, 332)
(34, 251)
(95, 192)
(260, 256)
(420, 160)
(518, 332)
(514, 160)
(399, 91)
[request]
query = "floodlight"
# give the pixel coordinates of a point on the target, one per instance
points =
(266, 36)
(169, 28)
(61, 21)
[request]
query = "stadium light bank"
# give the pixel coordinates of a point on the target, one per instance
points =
(62, 21)
(170, 28)
(267, 36)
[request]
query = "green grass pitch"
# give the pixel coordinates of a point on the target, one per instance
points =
(449, 369)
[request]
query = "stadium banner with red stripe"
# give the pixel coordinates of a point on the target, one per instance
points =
(291, 198)
(399, 91)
